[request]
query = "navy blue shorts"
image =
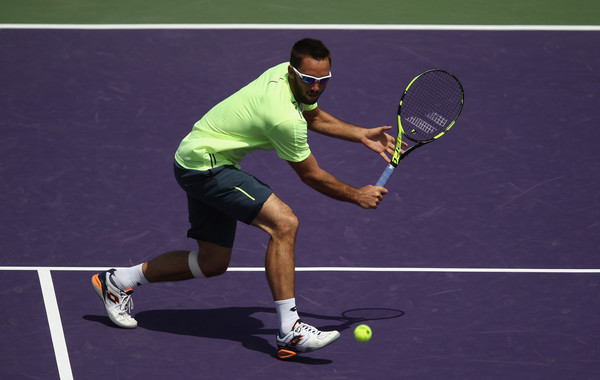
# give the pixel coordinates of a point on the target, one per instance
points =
(218, 198)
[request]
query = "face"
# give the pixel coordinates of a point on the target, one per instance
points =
(304, 92)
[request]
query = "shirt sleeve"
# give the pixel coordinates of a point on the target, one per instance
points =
(289, 138)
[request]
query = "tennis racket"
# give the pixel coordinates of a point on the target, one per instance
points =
(428, 108)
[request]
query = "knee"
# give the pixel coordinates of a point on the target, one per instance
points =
(213, 260)
(213, 270)
(277, 219)
(287, 225)
(215, 266)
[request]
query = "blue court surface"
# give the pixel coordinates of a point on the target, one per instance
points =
(485, 250)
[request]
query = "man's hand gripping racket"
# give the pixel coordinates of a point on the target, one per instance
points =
(429, 107)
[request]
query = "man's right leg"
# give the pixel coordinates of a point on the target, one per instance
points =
(211, 227)
(115, 287)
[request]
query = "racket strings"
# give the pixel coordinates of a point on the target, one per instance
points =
(430, 105)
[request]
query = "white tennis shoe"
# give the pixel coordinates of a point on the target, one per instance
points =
(303, 338)
(117, 302)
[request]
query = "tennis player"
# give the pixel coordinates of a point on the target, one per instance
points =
(272, 112)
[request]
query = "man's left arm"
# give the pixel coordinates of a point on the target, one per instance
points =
(375, 139)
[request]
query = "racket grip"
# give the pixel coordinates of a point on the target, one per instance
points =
(387, 173)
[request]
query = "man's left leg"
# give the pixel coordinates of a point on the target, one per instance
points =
(294, 336)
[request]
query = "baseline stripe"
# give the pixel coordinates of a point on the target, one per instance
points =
(432, 270)
(334, 269)
(307, 27)
(56, 331)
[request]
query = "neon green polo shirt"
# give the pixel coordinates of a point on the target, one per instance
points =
(262, 115)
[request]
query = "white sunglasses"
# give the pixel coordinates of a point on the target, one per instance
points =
(309, 79)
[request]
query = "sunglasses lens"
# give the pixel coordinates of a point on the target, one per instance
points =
(308, 80)
(324, 80)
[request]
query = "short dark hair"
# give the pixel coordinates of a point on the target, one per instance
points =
(309, 47)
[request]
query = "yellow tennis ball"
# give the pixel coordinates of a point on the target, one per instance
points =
(362, 333)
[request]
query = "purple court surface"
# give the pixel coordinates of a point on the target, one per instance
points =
(486, 246)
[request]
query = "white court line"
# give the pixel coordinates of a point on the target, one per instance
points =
(340, 269)
(307, 27)
(56, 331)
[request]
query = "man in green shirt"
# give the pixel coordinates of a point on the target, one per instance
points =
(272, 112)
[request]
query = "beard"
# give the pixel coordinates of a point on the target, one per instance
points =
(305, 96)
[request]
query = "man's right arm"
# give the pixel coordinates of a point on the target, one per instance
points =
(311, 174)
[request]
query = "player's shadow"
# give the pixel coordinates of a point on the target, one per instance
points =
(236, 324)
(231, 323)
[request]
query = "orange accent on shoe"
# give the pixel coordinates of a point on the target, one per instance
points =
(112, 297)
(295, 340)
(286, 354)
(96, 281)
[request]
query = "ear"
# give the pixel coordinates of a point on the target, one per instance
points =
(291, 72)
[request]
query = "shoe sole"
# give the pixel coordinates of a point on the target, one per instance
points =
(284, 354)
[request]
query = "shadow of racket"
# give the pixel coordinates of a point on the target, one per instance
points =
(352, 317)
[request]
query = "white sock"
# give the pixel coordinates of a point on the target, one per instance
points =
(286, 314)
(129, 278)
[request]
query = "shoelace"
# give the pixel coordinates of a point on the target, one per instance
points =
(126, 303)
(309, 328)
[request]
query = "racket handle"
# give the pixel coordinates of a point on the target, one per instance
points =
(387, 173)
